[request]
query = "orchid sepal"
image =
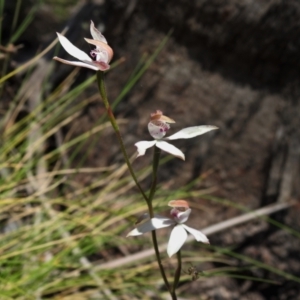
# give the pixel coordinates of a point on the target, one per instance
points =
(198, 235)
(171, 149)
(96, 34)
(191, 132)
(150, 225)
(177, 239)
(142, 146)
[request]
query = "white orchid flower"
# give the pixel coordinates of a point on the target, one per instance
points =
(179, 215)
(102, 55)
(158, 127)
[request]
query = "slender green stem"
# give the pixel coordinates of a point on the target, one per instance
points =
(161, 267)
(178, 272)
(155, 164)
(102, 90)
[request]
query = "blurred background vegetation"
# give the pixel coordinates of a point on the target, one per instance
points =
(66, 198)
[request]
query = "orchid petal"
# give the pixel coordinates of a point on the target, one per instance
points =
(177, 238)
(158, 130)
(182, 216)
(198, 235)
(144, 217)
(96, 34)
(190, 132)
(101, 65)
(73, 50)
(101, 46)
(143, 146)
(78, 63)
(170, 149)
(152, 224)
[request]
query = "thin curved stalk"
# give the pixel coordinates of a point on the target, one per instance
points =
(178, 272)
(102, 90)
(155, 164)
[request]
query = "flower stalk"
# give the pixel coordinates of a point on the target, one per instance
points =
(177, 272)
(155, 164)
(110, 114)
